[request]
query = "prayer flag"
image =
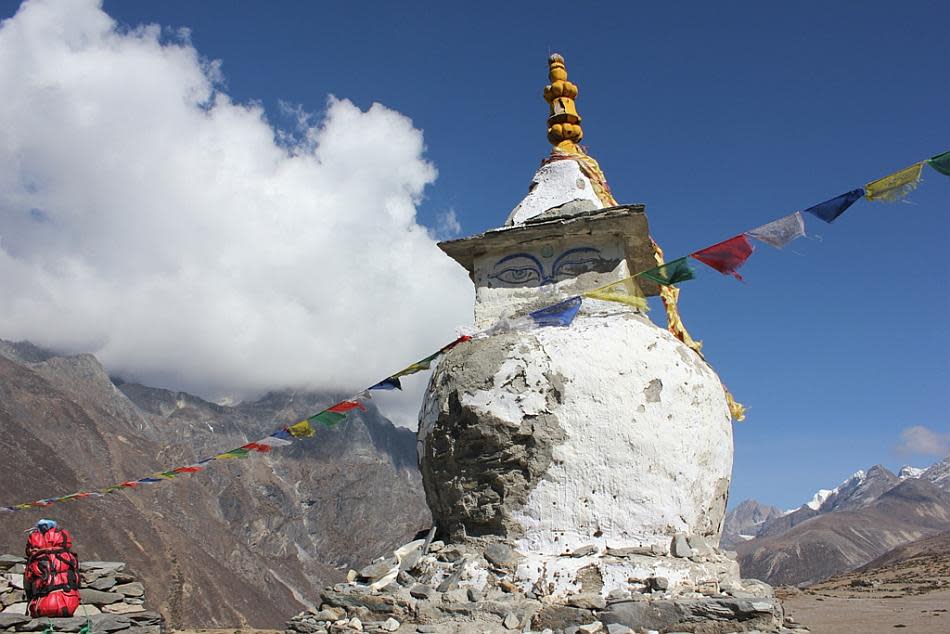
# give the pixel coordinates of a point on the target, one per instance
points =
(392, 383)
(670, 273)
(300, 430)
(941, 163)
(625, 291)
(780, 232)
(257, 446)
(275, 441)
(148, 480)
(418, 366)
(190, 469)
(327, 418)
(240, 452)
(426, 363)
(895, 186)
(448, 347)
(831, 209)
(560, 314)
(345, 406)
(726, 256)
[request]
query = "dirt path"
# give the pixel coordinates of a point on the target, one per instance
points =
(868, 614)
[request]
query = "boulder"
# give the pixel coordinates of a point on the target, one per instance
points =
(109, 623)
(70, 624)
(98, 598)
(560, 617)
(134, 589)
(377, 570)
(9, 621)
(108, 566)
(502, 555)
(587, 601)
(680, 546)
(122, 608)
(103, 583)
(15, 608)
(15, 580)
(86, 609)
(147, 618)
(584, 551)
(8, 561)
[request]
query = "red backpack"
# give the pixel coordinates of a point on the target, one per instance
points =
(51, 579)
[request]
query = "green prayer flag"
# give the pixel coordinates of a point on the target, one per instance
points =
(328, 418)
(671, 272)
(941, 163)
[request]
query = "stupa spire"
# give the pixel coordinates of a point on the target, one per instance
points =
(564, 124)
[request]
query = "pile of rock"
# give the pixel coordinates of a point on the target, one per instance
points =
(112, 601)
(473, 587)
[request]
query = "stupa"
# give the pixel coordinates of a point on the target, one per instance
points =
(610, 434)
(577, 476)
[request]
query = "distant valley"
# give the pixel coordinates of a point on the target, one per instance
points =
(840, 529)
(246, 542)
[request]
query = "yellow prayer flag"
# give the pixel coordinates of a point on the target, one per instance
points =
(625, 291)
(301, 429)
(896, 185)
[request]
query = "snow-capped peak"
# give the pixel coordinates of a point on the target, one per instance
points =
(823, 494)
(819, 498)
(909, 472)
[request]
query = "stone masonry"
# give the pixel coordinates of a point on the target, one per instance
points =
(113, 601)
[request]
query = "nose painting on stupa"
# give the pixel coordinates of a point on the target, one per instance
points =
(608, 435)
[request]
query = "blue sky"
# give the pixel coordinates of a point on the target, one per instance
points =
(719, 117)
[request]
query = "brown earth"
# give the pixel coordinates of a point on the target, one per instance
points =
(907, 589)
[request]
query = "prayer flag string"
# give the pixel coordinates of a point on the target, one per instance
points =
(726, 257)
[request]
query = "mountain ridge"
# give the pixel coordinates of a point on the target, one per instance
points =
(232, 545)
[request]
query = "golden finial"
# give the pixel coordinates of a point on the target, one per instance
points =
(564, 129)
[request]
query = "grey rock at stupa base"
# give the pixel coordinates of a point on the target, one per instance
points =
(484, 597)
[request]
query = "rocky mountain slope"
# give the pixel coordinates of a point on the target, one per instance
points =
(745, 521)
(866, 516)
(243, 543)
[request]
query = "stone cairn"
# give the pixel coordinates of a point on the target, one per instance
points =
(112, 601)
(470, 588)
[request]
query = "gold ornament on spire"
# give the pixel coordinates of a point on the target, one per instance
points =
(564, 124)
(565, 134)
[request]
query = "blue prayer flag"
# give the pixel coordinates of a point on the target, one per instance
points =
(831, 209)
(560, 314)
(392, 383)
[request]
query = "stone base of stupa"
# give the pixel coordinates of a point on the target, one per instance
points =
(486, 586)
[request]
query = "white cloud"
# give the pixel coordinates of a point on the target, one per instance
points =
(919, 440)
(447, 225)
(147, 218)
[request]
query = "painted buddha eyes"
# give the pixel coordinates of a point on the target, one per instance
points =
(519, 276)
(525, 269)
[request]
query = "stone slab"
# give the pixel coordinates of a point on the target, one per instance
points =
(99, 598)
(122, 608)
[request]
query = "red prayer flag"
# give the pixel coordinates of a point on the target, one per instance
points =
(727, 256)
(345, 406)
(254, 446)
(191, 469)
